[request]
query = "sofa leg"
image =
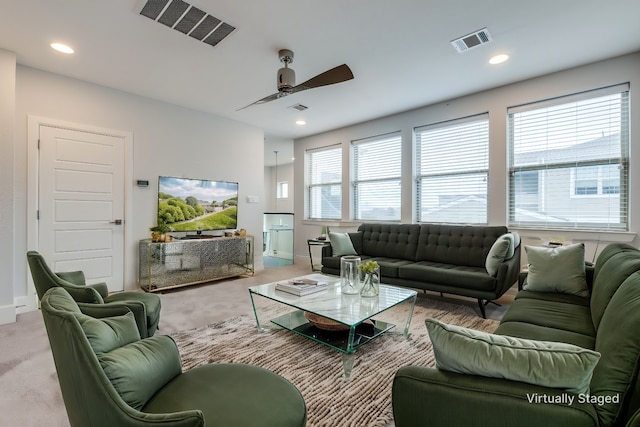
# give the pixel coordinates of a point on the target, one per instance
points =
(481, 304)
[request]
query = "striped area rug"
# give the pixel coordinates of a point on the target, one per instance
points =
(316, 370)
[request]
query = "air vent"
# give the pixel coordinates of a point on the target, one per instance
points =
(187, 19)
(299, 107)
(472, 40)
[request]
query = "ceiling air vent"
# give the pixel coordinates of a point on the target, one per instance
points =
(187, 19)
(299, 107)
(472, 40)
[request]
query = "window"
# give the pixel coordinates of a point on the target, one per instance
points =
(282, 190)
(324, 181)
(452, 167)
(577, 149)
(376, 178)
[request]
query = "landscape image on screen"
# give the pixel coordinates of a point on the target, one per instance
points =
(186, 204)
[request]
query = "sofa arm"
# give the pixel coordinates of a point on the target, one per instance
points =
(422, 396)
(508, 272)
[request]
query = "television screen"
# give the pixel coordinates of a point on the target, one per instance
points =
(186, 204)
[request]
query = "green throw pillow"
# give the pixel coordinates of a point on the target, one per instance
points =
(341, 244)
(498, 253)
(558, 269)
(545, 363)
(108, 333)
(139, 369)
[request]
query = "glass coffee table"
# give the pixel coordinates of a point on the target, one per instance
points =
(342, 322)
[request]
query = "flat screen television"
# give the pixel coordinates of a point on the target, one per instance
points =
(186, 204)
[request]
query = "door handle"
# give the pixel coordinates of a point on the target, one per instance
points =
(116, 222)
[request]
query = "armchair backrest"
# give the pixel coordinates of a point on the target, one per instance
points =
(89, 396)
(45, 279)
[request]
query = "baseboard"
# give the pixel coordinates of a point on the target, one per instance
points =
(7, 314)
(26, 303)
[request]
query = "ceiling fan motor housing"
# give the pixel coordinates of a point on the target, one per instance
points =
(286, 79)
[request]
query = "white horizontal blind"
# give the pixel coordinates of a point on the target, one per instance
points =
(323, 168)
(569, 162)
(377, 170)
(452, 167)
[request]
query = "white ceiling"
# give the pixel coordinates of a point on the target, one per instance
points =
(399, 51)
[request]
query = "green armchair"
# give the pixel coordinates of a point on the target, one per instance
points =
(145, 307)
(109, 376)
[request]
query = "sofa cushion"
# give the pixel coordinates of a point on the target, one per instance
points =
(108, 333)
(551, 314)
(498, 253)
(550, 364)
(397, 241)
(457, 244)
(341, 244)
(390, 267)
(554, 297)
(619, 342)
(473, 278)
(558, 269)
(139, 369)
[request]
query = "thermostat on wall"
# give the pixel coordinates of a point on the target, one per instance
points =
(142, 183)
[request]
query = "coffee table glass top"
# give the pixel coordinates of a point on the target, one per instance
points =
(350, 310)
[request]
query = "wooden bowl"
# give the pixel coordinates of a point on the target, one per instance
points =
(324, 323)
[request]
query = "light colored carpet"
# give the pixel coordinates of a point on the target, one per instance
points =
(316, 370)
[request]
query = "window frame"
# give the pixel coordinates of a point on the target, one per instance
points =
(311, 184)
(622, 161)
(480, 171)
(359, 181)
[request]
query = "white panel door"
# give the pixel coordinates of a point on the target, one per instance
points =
(81, 203)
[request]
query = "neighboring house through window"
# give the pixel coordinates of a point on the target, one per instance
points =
(568, 161)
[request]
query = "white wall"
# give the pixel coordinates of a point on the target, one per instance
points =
(496, 102)
(168, 140)
(7, 219)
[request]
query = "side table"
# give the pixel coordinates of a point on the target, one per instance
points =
(313, 243)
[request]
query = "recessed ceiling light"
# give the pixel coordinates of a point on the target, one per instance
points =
(62, 48)
(301, 122)
(498, 59)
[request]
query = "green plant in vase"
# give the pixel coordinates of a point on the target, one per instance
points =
(371, 281)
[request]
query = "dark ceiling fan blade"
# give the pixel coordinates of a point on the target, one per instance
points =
(339, 74)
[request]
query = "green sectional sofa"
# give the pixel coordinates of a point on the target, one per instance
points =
(605, 322)
(450, 259)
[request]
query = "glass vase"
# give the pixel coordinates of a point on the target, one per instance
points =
(371, 284)
(349, 275)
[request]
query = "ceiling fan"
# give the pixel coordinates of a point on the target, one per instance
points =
(287, 79)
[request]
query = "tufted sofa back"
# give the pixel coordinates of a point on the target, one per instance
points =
(390, 240)
(457, 244)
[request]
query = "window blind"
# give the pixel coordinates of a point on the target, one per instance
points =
(452, 167)
(568, 161)
(377, 170)
(324, 182)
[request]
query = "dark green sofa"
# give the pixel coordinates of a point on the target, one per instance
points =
(608, 322)
(435, 257)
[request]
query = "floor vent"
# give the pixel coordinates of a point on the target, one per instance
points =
(187, 19)
(472, 40)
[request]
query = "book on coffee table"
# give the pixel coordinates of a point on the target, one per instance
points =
(301, 287)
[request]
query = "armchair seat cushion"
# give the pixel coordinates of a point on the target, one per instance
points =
(221, 392)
